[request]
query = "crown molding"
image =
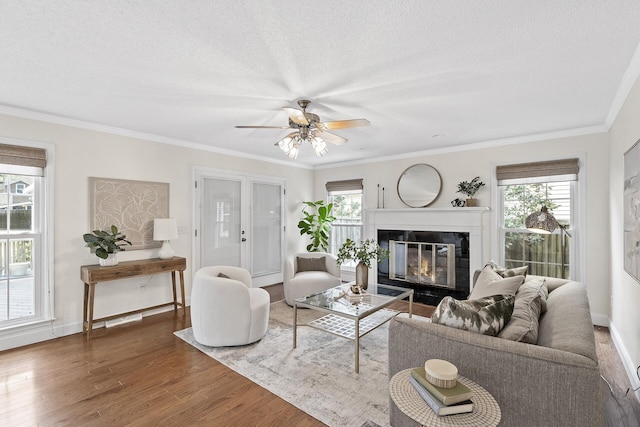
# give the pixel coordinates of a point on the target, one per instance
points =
(628, 80)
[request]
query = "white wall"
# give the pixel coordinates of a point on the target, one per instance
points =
(464, 165)
(82, 153)
(625, 291)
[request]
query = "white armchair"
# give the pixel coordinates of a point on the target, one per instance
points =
(307, 273)
(227, 311)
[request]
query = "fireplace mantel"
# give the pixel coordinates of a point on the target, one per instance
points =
(465, 219)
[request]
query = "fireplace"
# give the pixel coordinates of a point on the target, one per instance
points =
(432, 263)
(434, 251)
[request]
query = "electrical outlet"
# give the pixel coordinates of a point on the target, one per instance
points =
(182, 229)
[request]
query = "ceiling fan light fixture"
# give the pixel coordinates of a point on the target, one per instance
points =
(319, 146)
(293, 152)
(310, 129)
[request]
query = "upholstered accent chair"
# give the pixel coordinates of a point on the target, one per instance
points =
(225, 309)
(307, 273)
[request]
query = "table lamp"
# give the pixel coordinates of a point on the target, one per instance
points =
(165, 229)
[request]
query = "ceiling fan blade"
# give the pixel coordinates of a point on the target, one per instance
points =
(263, 127)
(344, 124)
(296, 116)
(331, 138)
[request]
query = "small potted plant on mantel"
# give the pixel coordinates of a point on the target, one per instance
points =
(107, 244)
(470, 189)
(364, 254)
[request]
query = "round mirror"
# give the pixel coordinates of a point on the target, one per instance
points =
(419, 185)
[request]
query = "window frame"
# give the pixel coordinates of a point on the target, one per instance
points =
(42, 260)
(346, 267)
(577, 252)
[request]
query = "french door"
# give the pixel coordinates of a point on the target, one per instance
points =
(240, 222)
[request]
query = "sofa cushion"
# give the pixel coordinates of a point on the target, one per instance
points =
(485, 316)
(567, 323)
(508, 272)
(523, 326)
(311, 264)
(491, 283)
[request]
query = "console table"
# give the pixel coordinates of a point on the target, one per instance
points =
(93, 274)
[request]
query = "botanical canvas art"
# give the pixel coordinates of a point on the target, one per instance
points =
(632, 211)
(131, 206)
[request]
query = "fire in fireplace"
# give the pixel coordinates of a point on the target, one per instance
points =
(423, 262)
(433, 263)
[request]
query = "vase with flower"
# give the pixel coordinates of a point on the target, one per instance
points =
(363, 253)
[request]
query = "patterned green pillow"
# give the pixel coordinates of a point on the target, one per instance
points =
(508, 272)
(485, 316)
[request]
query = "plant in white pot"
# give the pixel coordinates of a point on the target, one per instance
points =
(363, 253)
(107, 244)
(470, 188)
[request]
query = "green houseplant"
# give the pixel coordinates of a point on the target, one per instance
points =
(106, 243)
(470, 188)
(363, 253)
(317, 225)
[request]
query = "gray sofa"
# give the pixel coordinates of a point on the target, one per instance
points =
(553, 383)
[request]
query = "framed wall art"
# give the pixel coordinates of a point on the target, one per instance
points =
(131, 206)
(632, 211)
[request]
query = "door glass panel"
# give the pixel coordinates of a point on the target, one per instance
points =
(266, 229)
(220, 222)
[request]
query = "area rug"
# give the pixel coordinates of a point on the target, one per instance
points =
(318, 376)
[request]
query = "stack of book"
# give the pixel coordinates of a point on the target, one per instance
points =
(443, 401)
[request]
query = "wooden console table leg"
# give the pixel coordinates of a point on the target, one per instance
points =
(184, 302)
(85, 317)
(175, 296)
(92, 289)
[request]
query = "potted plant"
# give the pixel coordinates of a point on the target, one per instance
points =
(364, 253)
(317, 225)
(107, 244)
(470, 189)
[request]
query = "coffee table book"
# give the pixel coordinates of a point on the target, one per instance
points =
(438, 407)
(448, 396)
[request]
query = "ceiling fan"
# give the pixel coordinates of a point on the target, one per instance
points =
(310, 129)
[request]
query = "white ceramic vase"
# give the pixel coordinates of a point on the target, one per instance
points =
(112, 259)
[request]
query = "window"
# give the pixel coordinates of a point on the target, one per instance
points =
(523, 190)
(346, 197)
(23, 298)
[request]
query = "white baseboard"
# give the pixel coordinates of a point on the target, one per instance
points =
(629, 365)
(48, 330)
(36, 333)
(600, 320)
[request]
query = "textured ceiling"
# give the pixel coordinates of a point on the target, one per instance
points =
(427, 74)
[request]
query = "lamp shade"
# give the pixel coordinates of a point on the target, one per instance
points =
(165, 229)
(541, 221)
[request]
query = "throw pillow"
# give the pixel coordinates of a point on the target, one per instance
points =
(508, 272)
(524, 323)
(540, 286)
(491, 283)
(224, 276)
(485, 316)
(311, 264)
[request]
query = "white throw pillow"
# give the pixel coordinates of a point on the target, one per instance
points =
(491, 283)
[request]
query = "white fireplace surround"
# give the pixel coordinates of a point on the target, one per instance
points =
(465, 220)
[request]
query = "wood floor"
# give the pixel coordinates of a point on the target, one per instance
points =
(140, 374)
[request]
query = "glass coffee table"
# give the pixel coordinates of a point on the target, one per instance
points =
(351, 316)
